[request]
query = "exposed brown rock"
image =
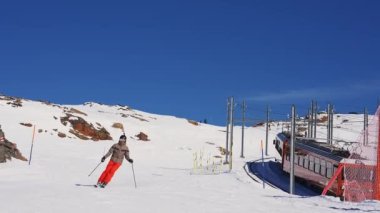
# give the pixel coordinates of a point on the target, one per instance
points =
(139, 118)
(27, 124)
(83, 130)
(142, 136)
(80, 136)
(45, 102)
(61, 135)
(50, 104)
(16, 102)
(135, 116)
(259, 124)
(9, 150)
(124, 108)
(73, 110)
(193, 122)
(40, 130)
(322, 119)
(118, 126)
(6, 98)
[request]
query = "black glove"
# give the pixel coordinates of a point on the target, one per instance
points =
(103, 159)
(130, 161)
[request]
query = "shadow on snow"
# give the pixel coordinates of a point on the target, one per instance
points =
(271, 173)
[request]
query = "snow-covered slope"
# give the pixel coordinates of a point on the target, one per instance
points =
(163, 165)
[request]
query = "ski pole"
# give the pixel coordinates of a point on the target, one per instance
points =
(94, 169)
(134, 179)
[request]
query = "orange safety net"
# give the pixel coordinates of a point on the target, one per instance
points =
(362, 169)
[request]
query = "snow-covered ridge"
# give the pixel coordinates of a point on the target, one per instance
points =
(55, 119)
(163, 165)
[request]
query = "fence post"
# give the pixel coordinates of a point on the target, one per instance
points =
(31, 148)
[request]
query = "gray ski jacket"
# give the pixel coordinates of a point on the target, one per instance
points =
(119, 151)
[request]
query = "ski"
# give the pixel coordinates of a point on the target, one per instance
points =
(87, 185)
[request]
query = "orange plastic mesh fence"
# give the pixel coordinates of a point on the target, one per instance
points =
(361, 170)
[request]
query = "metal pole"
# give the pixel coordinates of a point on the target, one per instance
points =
(287, 124)
(267, 132)
(292, 148)
(227, 127)
(262, 160)
(311, 119)
(315, 119)
(331, 123)
(308, 124)
(242, 130)
(328, 123)
(95, 169)
(31, 148)
(365, 126)
(231, 128)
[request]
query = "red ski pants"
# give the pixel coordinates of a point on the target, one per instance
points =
(109, 172)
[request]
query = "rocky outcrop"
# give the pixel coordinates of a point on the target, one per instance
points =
(61, 135)
(72, 110)
(323, 119)
(78, 135)
(124, 108)
(193, 122)
(139, 117)
(26, 124)
(8, 150)
(84, 130)
(6, 98)
(135, 116)
(50, 104)
(15, 103)
(118, 126)
(259, 124)
(142, 136)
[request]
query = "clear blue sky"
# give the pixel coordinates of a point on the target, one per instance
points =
(184, 58)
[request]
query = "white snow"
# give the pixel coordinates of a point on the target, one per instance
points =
(163, 166)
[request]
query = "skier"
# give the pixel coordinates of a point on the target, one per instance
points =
(118, 151)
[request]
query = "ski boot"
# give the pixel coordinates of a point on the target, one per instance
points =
(101, 185)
